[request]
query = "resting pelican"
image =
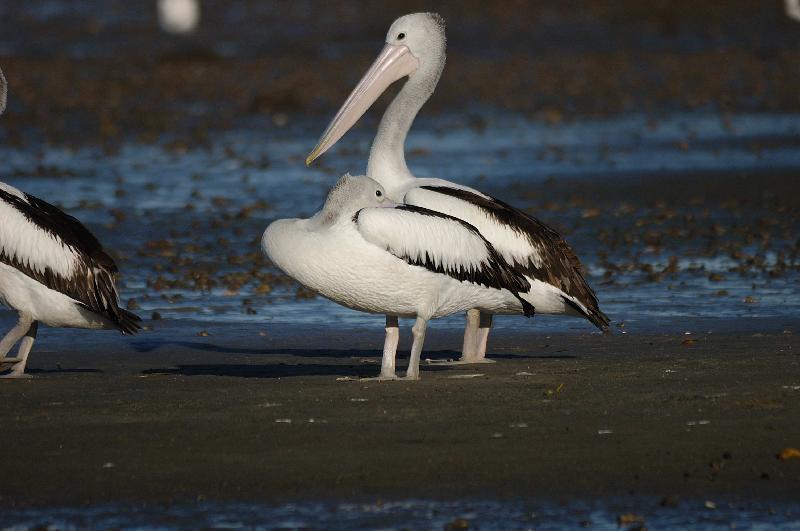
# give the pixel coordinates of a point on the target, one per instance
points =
(398, 260)
(52, 270)
(415, 48)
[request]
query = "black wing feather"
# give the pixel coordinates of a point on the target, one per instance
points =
(93, 282)
(560, 266)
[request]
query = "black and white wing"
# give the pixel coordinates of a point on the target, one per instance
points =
(56, 250)
(442, 244)
(527, 244)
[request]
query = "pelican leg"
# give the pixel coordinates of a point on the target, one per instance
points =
(470, 347)
(476, 335)
(25, 330)
(483, 338)
(390, 347)
(418, 330)
(389, 350)
(469, 350)
(15, 334)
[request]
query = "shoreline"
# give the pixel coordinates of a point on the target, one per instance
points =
(263, 418)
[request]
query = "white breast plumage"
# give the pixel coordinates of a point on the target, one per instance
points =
(399, 261)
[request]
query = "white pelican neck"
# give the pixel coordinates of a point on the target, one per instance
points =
(387, 162)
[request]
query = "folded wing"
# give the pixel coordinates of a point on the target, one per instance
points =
(56, 250)
(527, 244)
(441, 244)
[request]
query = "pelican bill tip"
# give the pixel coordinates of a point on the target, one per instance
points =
(313, 156)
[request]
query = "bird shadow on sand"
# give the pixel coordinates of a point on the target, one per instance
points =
(278, 370)
(532, 356)
(363, 364)
(43, 372)
(192, 346)
(150, 346)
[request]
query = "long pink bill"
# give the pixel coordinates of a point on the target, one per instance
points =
(393, 63)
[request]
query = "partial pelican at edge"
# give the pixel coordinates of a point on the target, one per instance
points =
(52, 270)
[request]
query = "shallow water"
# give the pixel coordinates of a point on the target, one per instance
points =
(611, 514)
(185, 222)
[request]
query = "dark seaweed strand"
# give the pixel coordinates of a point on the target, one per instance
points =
(560, 266)
(93, 282)
(3, 92)
(494, 273)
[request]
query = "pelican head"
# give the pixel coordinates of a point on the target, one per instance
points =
(415, 48)
(352, 193)
(422, 34)
(3, 92)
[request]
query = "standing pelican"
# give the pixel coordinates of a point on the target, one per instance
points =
(52, 270)
(370, 254)
(415, 48)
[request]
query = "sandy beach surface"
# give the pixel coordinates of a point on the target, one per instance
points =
(262, 414)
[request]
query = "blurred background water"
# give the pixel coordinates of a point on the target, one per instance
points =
(588, 115)
(662, 140)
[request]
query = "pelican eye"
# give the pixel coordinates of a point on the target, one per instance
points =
(378, 193)
(401, 36)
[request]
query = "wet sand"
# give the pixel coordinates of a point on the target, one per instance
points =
(241, 415)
